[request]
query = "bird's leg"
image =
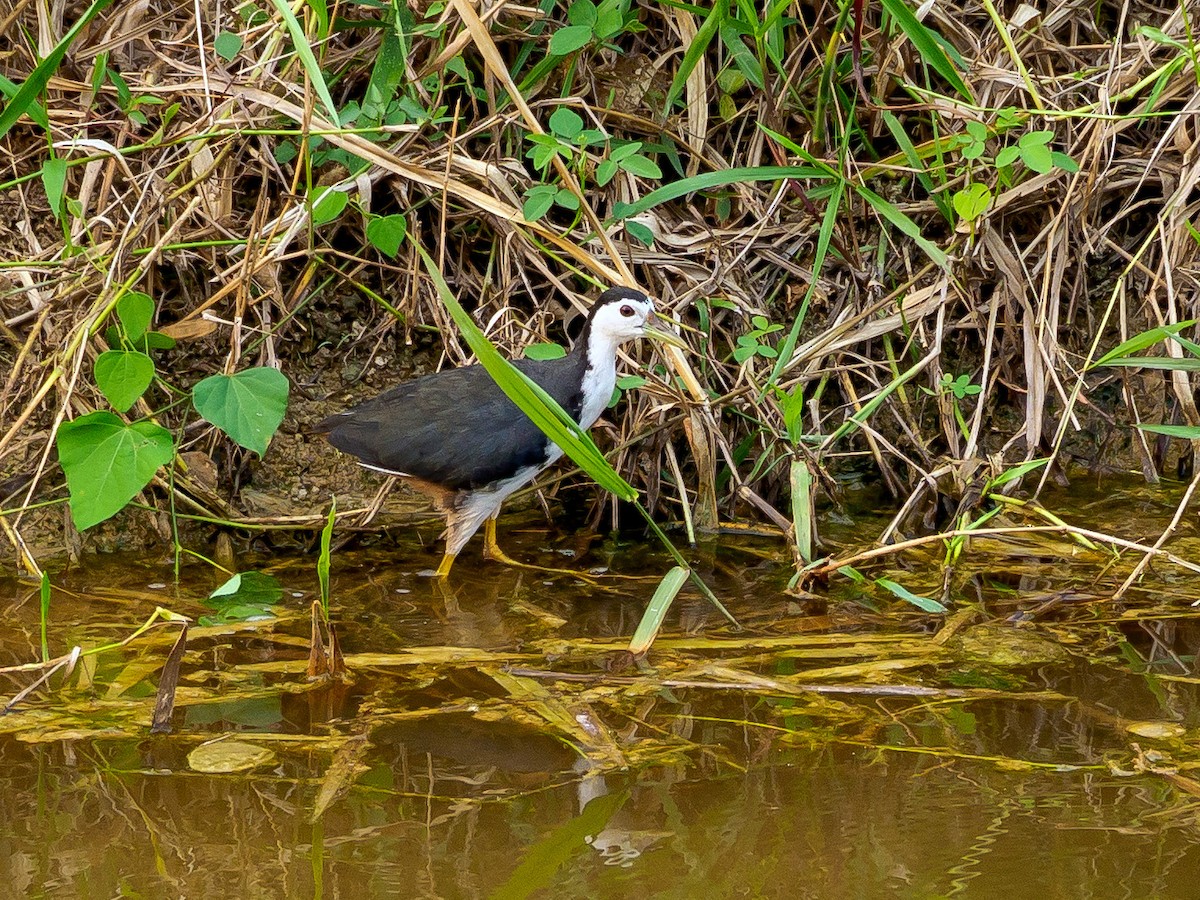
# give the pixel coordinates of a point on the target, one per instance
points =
(443, 568)
(491, 549)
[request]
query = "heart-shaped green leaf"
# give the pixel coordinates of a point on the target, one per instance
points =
(247, 406)
(386, 233)
(123, 376)
(135, 311)
(108, 461)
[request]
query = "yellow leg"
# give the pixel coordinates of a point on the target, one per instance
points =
(491, 549)
(443, 568)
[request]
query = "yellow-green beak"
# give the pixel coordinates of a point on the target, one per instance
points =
(655, 328)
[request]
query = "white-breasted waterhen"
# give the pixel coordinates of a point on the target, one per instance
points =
(457, 437)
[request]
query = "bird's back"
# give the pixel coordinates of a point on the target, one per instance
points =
(456, 428)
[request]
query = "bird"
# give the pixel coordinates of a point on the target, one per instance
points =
(456, 437)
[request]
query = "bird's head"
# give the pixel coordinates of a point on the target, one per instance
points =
(623, 314)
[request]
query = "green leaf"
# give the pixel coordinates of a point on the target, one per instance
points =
(1008, 156)
(569, 39)
(244, 597)
(1038, 157)
(1166, 363)
(1188, 432)
(227, 45)
(695, 51)
(1141, 341)
(709, 180)
(640, 233)
(566, 199)
(906, 225)
(307, 58)
(24, 98)
(582, 12)
(54, 180)
(971, 202)
(328, 206)
(545, 351)
(154, 340)
(1064, 162)
(745, 61)
(624, 151)
(565, 122)
(1035, 139)
(641, 165)
(922, 603)
(123, 376)
(977, 130)
(324, 559)
(386, 233)
(247, 406)
(609, 21)
(539, 869)
(538, 201)
(136, 311)
(107, 462)
(656, 611)
(631, 382)
(605, 172)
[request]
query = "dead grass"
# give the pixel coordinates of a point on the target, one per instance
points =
(177, 185)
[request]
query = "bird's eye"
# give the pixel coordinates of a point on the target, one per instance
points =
(628, 311)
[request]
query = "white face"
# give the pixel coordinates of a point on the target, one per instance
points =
(622, 320)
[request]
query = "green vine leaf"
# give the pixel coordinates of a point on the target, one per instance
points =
(107, 462)
(123, 376)
(248, 406)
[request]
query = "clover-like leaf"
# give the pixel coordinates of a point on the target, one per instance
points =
(123, 376)
(545, 351)
(971, 202)
(107, 462)
(247, 406)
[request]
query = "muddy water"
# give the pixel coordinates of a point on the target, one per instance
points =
(492, 740)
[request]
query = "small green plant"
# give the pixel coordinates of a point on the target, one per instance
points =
(247, 596)
(589, 23)
(752, 343)
(574, 144)
(1032, 150)
(958, 389)
(108, 461)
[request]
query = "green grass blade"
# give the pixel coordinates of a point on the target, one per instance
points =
(927, 45)
(1140, 342)
(652, 619)
(709, 180)
(691, 57)
(325, 559)
(307, 58)
(23, 99)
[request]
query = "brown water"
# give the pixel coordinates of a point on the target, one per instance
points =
(830, 749)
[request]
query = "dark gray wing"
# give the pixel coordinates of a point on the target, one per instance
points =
(454, 428)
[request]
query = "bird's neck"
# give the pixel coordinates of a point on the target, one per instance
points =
(599, 366)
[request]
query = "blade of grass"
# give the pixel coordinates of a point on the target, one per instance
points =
(931, 51)
(23, 99)
(307, 58)
(652, 619)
